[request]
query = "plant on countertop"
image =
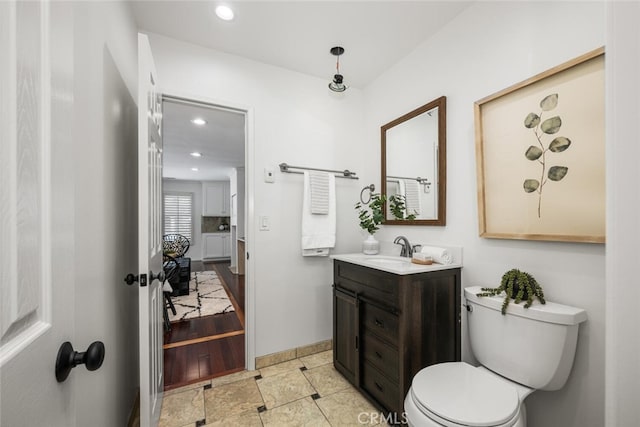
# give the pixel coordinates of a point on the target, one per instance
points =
(371, 214)
(398, 207)
(517, 285)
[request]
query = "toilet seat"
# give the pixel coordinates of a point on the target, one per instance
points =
(457, 394)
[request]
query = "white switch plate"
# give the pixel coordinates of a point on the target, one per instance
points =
(264, 223)
(269, 176)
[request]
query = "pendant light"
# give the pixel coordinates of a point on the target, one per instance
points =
(337, 84)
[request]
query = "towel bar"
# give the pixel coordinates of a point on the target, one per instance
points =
(339, 174)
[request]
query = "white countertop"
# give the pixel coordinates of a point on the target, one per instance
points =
(393, 264)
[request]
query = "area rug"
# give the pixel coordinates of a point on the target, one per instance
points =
(206, 297)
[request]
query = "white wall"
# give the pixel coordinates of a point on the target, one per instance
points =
(488, 47)
(105, 167)
(297, 120)
(623, 229)
(195, 187)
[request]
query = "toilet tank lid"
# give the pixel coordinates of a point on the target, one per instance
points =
(549, 312)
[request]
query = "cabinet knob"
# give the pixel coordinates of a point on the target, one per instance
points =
(379, 323)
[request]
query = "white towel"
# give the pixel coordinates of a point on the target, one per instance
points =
(412, 196)
(319, 187)
(438, 254)
(318, 231)
(402, 191)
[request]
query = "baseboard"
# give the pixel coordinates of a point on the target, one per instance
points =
(294, 353)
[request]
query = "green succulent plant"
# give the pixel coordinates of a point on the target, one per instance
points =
(517, 285)
(371, 214)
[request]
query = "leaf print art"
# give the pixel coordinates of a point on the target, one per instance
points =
(539, 152)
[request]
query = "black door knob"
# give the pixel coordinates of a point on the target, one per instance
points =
(130, 279)
(68, 359)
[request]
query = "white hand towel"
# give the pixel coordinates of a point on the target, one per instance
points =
(402, 191)
(412, 196)
(318, 231)
(438, 254)
(319, 187)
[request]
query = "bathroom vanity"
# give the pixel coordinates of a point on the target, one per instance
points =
(392, 318)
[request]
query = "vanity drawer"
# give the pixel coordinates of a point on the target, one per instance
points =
(378, 386)
(381, 355)
(381, 322)
(368, 282)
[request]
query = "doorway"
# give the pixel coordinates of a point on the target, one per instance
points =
(204, 192)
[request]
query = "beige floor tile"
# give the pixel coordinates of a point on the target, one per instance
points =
(200, 384)
(232, 399)
(318, 359)
(326, 380)
(348, 408)
(280, 368)
(302, 413)
(247, 419)
(183, 408)
(283, 388)
(231, 378)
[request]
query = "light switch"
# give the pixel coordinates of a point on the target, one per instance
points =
(269, 176)
(264, 223)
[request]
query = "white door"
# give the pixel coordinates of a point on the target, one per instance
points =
(36, 212)
(149, 236)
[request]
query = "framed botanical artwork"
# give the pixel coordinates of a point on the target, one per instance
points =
(540, 155)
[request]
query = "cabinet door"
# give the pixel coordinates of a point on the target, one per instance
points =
(345, 334)
(215, 199)
(213, 246)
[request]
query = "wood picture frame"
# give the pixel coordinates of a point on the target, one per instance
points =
(540, 155)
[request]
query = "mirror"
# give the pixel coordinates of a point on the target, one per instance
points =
(414, 166)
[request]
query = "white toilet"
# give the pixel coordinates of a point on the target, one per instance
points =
(521, 352)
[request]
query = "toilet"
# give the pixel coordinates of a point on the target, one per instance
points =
(527, 349)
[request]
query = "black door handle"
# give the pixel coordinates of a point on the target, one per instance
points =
(68, 359)
(130, 279)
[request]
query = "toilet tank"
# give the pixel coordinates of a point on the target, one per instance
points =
(532, 346)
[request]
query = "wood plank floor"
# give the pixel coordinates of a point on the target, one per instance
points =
(210, 346)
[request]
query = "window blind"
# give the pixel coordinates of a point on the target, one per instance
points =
(178, 214)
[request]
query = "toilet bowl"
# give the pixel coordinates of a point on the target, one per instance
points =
(456, 394)
(521, 352)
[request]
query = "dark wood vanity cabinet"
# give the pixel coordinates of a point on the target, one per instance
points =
(386, 327)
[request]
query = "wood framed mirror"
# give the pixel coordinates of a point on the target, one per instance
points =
(414, 166)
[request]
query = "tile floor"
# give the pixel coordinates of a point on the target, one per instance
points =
(307, 391)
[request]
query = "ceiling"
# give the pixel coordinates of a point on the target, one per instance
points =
(220, 141)
(296, 35)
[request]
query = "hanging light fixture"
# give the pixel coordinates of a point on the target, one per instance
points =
(337, 84)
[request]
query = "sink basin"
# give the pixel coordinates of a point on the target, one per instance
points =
(390, 261)
(391, 264)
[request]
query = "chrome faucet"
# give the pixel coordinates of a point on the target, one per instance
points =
(407, 249)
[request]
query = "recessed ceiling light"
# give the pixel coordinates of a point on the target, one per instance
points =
(224, 12)
(196, 154)
(194, 169)
(199, 121)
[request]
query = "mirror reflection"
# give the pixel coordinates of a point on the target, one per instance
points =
(414, 166)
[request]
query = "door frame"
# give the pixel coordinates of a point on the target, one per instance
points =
(250, 230)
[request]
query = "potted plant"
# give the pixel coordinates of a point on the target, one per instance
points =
(517, 285)
(371, 215)
(398, 207)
